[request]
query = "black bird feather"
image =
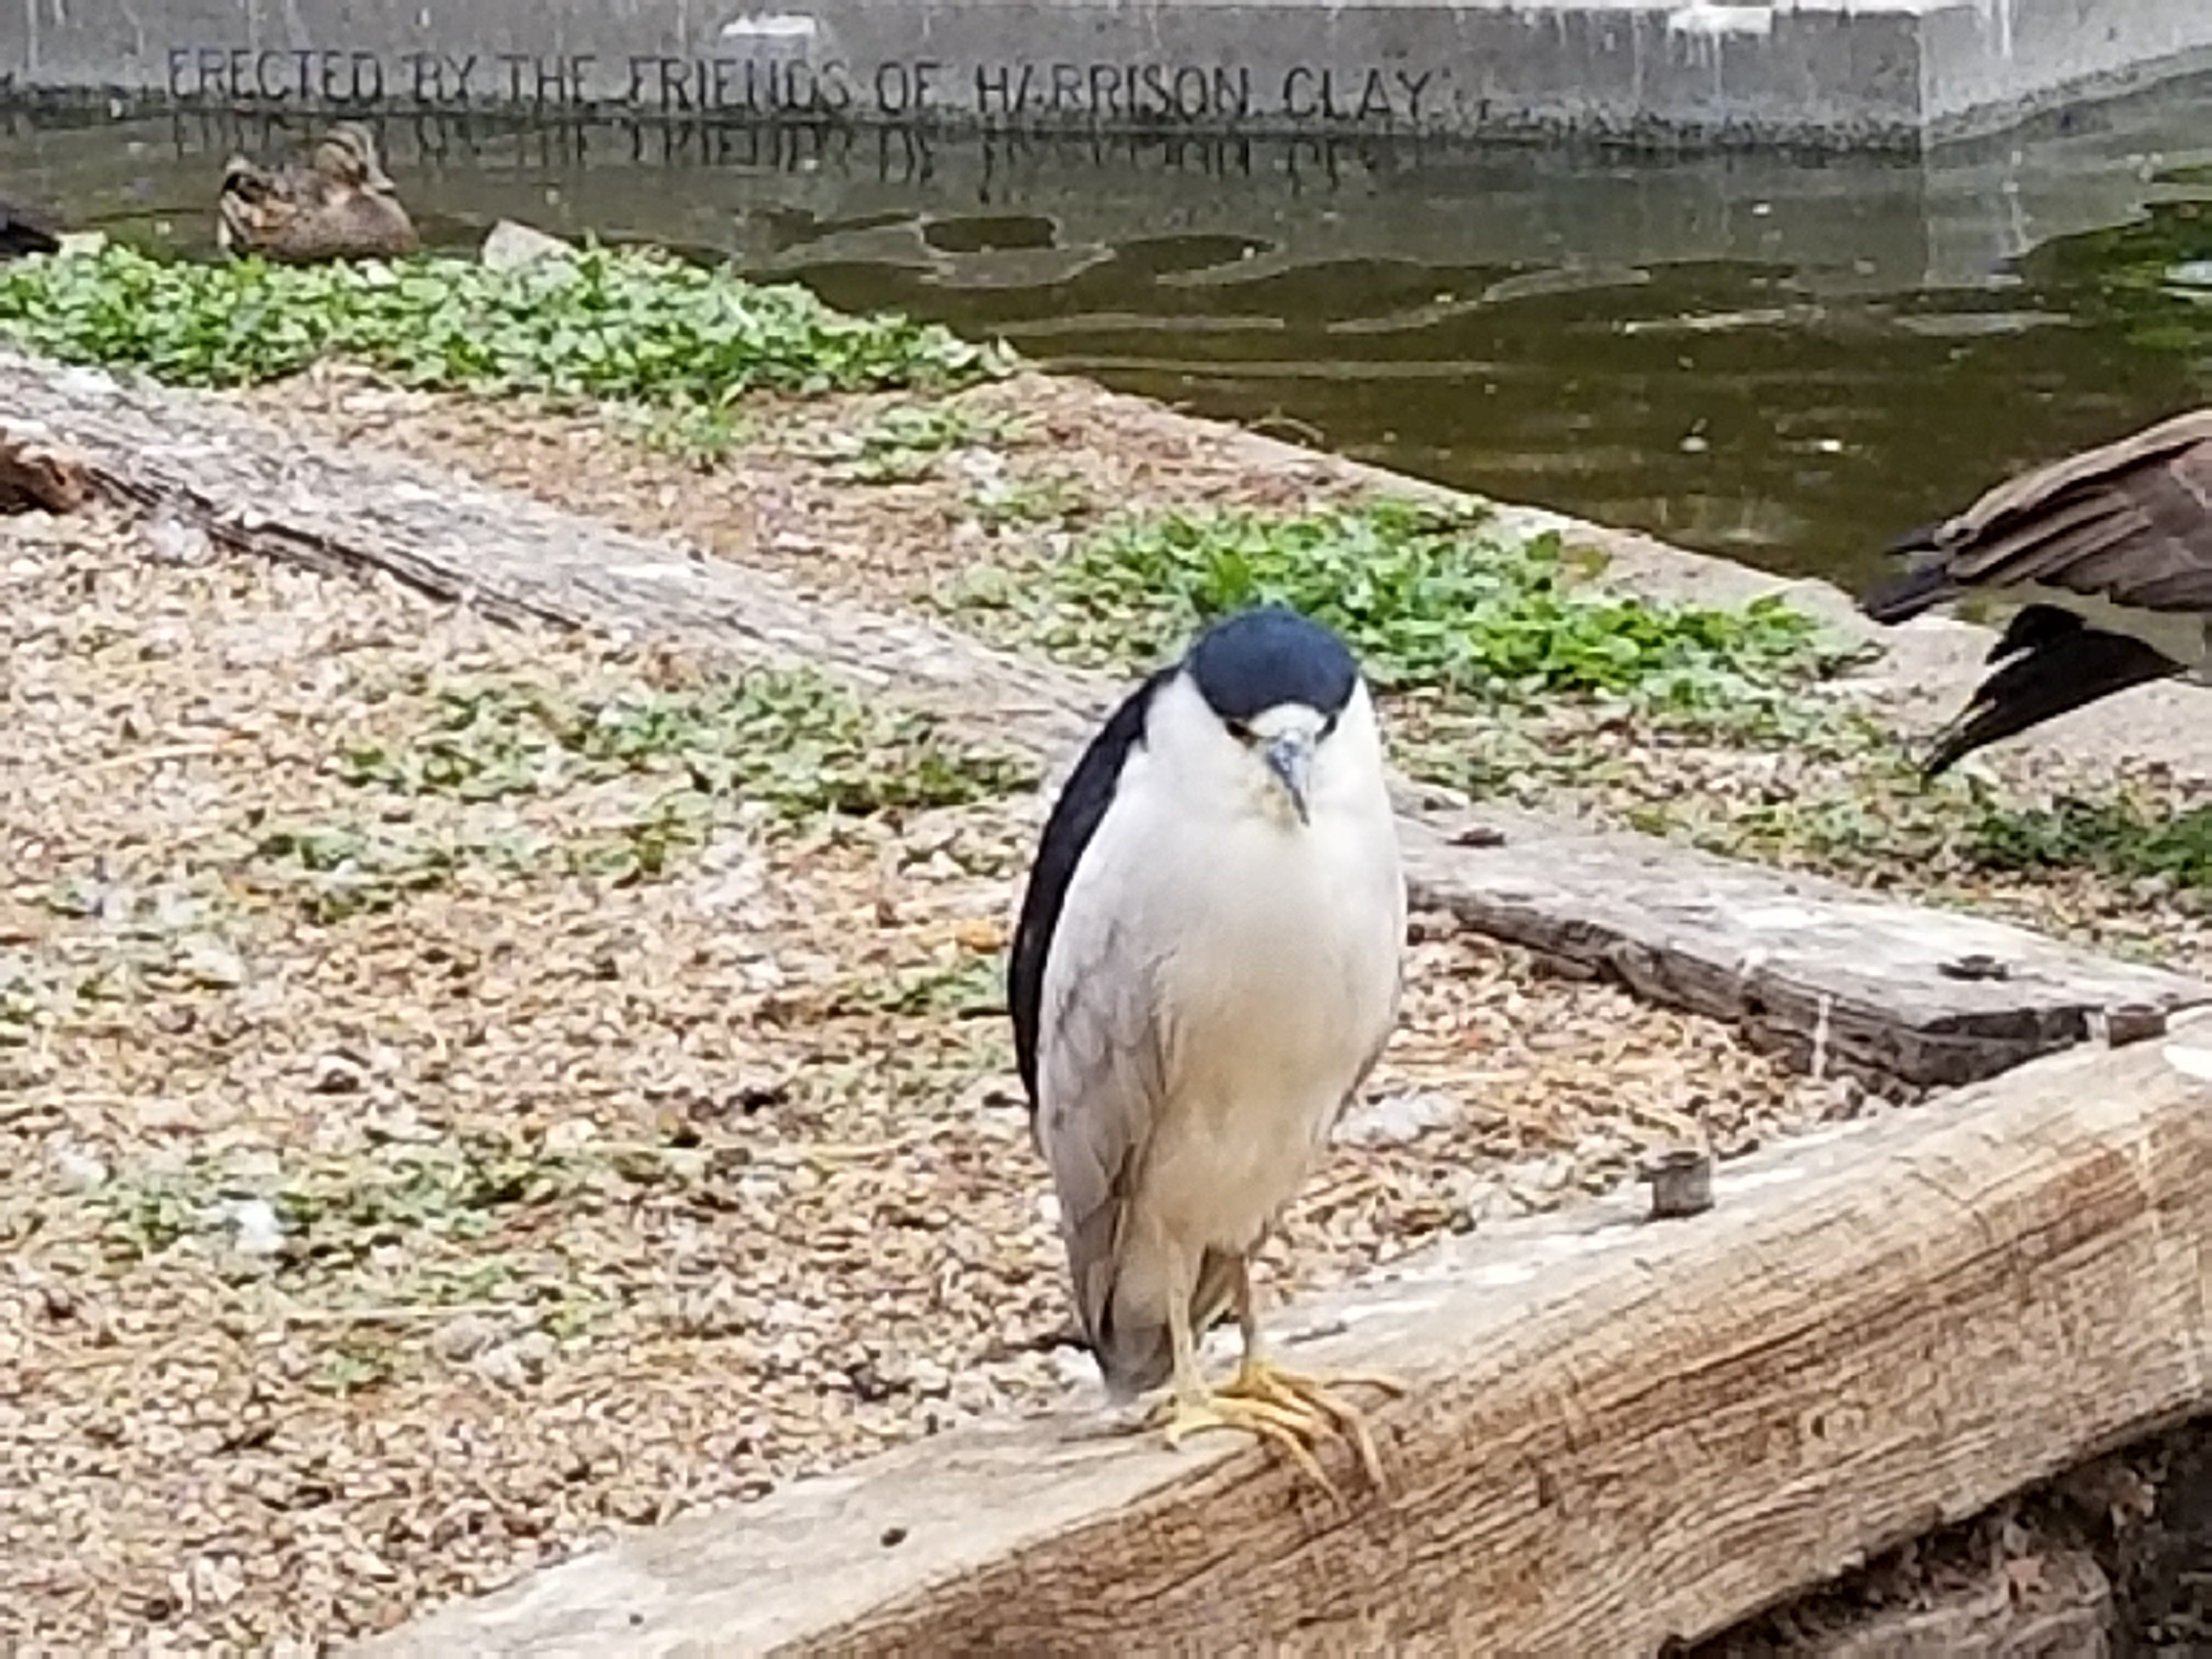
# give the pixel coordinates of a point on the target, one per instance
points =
(1074, 820)
(20, 235)
(2053, 663)
(2122, 532)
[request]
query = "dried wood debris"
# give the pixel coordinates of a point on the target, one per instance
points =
(45, 477)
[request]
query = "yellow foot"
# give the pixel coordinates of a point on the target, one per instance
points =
(1313, 1402)
(1293, 1430)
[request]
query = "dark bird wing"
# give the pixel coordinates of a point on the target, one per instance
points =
(1074, 820)
(2053, 662)
(21, 234)
(1102, 1086)
(2130, 522)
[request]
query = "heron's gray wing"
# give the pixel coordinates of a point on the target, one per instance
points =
(1102, 1077)
(1105, 1060)
(2131, 521)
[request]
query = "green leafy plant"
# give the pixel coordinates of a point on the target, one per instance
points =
(698, 434)
(963, 985)
(1508, 668)
(2117, 837)
(341, 869)
(615, 324)
(335, 1211)
(2147, 282)
(1431, 599)
(1038, 499)
(904, 443)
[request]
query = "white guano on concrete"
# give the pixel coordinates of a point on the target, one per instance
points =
(1829, 73)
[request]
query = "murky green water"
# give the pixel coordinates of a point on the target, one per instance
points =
(1786, 361)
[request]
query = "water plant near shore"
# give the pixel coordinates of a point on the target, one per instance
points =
(1442, 607)
(625, 325)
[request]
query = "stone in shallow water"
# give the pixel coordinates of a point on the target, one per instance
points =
(510, 244)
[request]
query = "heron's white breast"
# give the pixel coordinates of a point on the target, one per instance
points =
(1282, 980)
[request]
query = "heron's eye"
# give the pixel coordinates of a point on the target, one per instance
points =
(1239, 731)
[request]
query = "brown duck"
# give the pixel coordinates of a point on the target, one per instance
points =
(2111, 551)
(339, 203)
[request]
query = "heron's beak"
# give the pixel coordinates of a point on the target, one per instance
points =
(1290, 757)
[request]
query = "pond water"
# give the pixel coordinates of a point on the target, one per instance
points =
(1786, 360)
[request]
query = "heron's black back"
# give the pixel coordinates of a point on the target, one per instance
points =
(1074, 820)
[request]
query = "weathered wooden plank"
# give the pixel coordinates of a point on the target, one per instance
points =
(1835, 977)
(1620, 1431)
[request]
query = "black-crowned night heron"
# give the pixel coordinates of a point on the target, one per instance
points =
(2111, 550)
(1207, 964)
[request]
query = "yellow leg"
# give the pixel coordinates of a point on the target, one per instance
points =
(1311, 1399)
(1191, 1407)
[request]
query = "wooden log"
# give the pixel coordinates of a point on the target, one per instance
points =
(1621, 1433)
(1836, 979)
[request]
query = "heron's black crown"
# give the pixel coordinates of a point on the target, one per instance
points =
(1259, 659)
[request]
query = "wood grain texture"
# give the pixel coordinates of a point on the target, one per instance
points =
(1835, 979)
(1620, 1432)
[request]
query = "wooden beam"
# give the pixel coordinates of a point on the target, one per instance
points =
(1836, 979)
(1620, 1432)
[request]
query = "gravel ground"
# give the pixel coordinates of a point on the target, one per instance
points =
(881, 497)
(885, 499)
(409, 1183)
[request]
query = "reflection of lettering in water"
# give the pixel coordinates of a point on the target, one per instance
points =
(906, 89)
(1007, 164)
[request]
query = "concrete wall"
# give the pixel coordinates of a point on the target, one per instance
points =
(1830, 72)
(1218, 207)
(2030, 54)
